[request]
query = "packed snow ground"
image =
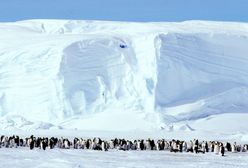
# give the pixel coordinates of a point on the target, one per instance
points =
(57, 158)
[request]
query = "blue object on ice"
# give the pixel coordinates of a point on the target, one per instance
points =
(123, 46)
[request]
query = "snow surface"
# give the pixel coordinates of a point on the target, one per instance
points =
(61, 74)
(57, 158)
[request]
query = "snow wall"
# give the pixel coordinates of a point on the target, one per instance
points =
(53, 71)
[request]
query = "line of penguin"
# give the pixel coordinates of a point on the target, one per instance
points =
(194, 146)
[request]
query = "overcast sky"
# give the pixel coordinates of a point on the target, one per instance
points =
(125, 10)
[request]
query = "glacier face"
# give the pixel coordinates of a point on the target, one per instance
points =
(210, 69)
(78, 73)
(94, 71)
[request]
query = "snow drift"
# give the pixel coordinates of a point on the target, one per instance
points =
(119, 75)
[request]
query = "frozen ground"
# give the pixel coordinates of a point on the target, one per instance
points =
(58, 158)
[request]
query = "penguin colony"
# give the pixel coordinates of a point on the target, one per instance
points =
(194, 146)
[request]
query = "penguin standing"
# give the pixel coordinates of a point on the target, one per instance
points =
(142, 145)
(43, 144)
(234, 147)
(184, 146)
(206, 146)
(196, 143)
(31, 144)
(216, 148)
(222, 149)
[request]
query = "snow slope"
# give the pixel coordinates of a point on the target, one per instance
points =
(99, 75)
